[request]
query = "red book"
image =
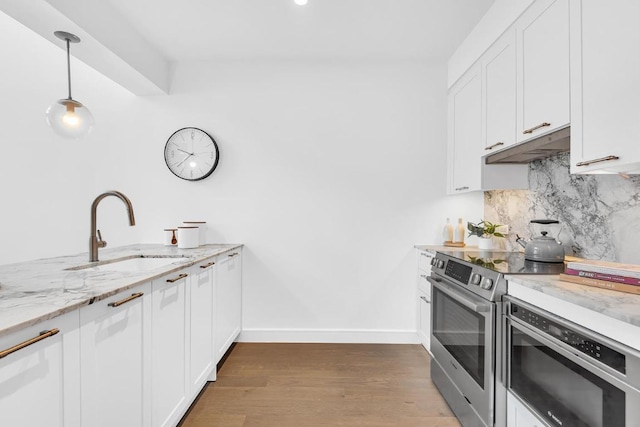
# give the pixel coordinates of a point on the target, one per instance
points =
(603, 276)
(612, 286)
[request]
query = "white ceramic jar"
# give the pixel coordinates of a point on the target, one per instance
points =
(202, 230)
(188, 237)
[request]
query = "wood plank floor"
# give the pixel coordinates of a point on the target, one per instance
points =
(269, 385)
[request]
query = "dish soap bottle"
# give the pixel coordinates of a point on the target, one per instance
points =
(447, 232)
(458, 235)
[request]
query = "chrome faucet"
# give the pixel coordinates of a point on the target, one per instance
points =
(95, 240)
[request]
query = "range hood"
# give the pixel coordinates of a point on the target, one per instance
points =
(539, 148)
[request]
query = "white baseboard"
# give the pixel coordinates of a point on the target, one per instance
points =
(354, 336)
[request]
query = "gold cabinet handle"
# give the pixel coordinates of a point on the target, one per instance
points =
(27, 343)
(542, 125)
(178, 277)
(601, 159)
(428, 255)
(126, 300)
(461, 188)
(497, 144)
(233, 254)
(424, 276)
(425, 300)
(208, 265)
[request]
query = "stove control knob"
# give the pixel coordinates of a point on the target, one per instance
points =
(440, 263)
(475, 279)
(487, 283)
(433, 261)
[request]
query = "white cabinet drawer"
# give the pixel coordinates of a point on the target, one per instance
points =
(424, 261)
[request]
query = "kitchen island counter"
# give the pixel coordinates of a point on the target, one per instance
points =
(34, 291)
(610, 313)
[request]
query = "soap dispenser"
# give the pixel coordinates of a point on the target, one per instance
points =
(447, 232)
(458, 235)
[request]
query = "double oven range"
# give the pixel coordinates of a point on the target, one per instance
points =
(467, 331)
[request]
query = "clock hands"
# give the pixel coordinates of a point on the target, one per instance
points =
(180, 149)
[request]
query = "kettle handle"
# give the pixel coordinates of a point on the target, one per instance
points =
(545, 221)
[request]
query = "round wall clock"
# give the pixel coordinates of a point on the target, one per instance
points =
(191, 154)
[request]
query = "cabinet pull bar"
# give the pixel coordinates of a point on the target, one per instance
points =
(126, 300)
(425, 300)
(601, 159)
(545, 124)
(178, 277)
(233, 254)
(27, 343)
(208, 265)
(424, 276)
(497, 144)
(461, 188)
(428, 255)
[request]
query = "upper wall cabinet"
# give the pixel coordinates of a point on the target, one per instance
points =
(477, 104)
(499, 93)
(543, 69)
(465, 130)
(605, 86)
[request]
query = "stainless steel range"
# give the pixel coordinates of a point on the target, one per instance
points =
(466, 332)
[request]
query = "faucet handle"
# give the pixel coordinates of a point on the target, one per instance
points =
(101, 243)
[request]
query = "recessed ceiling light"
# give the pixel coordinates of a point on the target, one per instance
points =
(301, 2)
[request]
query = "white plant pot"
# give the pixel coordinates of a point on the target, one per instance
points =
(485, 243)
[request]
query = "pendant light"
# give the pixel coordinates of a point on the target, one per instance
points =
(68, 117)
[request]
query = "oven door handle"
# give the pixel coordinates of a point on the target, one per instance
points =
(458, 296)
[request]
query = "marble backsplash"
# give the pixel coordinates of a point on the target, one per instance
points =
(599, 214)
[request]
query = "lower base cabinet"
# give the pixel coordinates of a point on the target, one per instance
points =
(40, 382)
(201, 322)
(519, 416)
(168, 349)
(228, 302)
(113, 349)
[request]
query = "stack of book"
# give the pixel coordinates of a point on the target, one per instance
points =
(603, 274)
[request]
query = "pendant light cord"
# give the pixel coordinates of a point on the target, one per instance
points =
(69, 69)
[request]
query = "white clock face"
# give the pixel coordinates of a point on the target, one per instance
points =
(191, 154)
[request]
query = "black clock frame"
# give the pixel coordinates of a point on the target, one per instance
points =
(215, 145)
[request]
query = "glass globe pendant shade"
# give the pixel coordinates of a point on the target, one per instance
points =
(69, 118)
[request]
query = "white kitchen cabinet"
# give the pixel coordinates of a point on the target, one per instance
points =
(519, 416)
(499, 93)
(201, 323)
(465, 133)
(543, 84)
(605, 87)
(168, 349)
(40, 382)
(465, 165)
(228, 301)
(113, 346)
(423, 310)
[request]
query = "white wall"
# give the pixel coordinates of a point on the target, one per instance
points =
(329, 174)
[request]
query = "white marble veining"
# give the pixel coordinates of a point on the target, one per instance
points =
(600, 213)
(31, 292)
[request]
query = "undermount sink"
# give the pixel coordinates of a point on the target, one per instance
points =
(131, 263)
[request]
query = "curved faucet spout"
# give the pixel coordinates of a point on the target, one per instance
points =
(95, 239)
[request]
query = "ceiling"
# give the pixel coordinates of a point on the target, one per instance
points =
(211, 29)
(134, 42)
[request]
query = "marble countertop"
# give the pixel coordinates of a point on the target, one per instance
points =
(34, 291)
(613, 315)
(442, 248)
(617, 305)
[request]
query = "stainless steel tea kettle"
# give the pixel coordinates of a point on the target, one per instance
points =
(542, 248)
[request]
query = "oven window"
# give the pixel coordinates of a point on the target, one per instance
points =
(462, 332)
(561, 391)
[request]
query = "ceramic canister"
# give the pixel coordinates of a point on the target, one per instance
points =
(188, 237)
(170, 236)
(202, 229)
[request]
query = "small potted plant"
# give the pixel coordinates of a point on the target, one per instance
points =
(485, 230)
